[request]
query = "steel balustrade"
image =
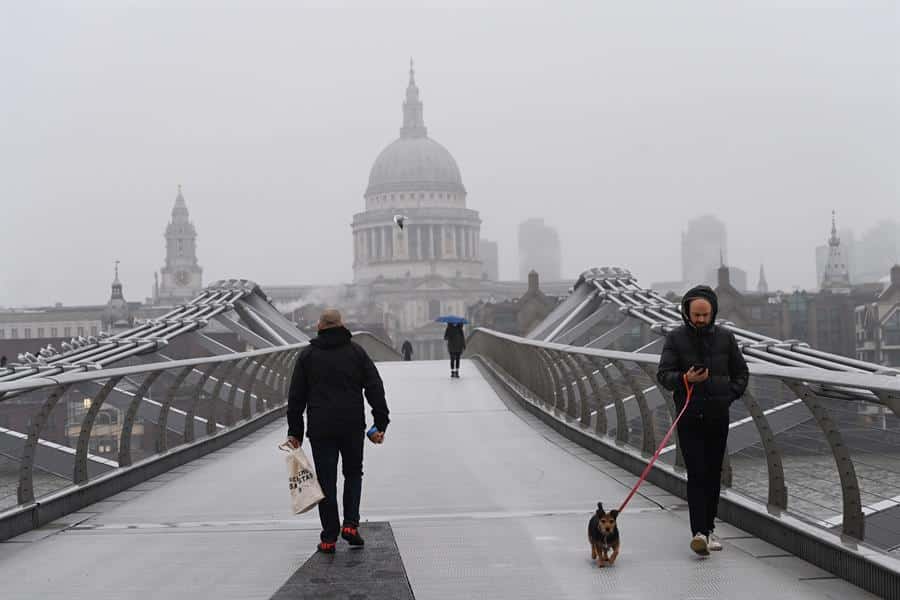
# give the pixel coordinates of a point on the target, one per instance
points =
(46, 393)
(569, 395)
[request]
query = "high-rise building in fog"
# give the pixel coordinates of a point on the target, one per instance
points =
(490, 260)
(704, 248)
(539, 250)
(876, 252)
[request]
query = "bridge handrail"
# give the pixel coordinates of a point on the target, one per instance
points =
(174, 406)
(884, 385)
(588, 393)
(565, 378)
(82, 376)
(377, 348)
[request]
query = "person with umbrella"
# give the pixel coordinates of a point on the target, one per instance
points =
(456, 341)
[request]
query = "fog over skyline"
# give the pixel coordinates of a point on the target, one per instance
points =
(616, 123)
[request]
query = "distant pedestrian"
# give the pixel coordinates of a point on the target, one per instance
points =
(706, 358)
(329, 378)
(2, 361)
(406, 350)
(456, 344)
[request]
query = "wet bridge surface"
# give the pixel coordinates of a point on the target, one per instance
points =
(469, 497)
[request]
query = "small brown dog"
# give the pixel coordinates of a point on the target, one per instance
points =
(603, 535)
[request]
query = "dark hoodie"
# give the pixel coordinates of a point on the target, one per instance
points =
(710, 346)
(328, 382)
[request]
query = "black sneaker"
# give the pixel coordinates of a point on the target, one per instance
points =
(326, 547)
(351, 534)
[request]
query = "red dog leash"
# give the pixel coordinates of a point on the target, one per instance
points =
(690, 391)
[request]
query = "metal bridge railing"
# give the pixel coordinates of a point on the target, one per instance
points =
(67, 430)
(820, 445)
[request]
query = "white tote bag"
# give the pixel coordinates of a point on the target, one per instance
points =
(305, 489)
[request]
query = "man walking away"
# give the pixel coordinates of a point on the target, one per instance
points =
(406, 350)
(708, 357)
(456, 344)
(328, 382)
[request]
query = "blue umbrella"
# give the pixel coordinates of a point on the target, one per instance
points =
(452, 319)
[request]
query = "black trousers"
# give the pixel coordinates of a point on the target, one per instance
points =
(325, 454)
(703, 444)
(454, 360)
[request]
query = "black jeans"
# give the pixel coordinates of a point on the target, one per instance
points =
(454, 360)
(703, 442)
(325, 455)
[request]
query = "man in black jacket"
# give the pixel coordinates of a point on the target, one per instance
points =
(709, 358)
(329, 378)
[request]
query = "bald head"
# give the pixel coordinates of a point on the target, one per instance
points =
(331, 317)
(700, 312)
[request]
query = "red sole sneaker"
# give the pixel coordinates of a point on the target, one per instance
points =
(326, 548)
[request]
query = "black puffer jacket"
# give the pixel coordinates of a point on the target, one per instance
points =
(329, 377)
(712, 347)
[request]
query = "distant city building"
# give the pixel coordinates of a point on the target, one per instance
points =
(539, 250)
(824, 319)
(878, 325)
(837, 271)
(762, 313)
(704, 248)
(848, 247)
(868, 257)
(738, 278)
(490, 260)
(54, 323)
(676, 288)
(433, 266)
(182, 276)
(30, 329)
(876, 252)
(118, 314)
(404, 278)
(518, 316)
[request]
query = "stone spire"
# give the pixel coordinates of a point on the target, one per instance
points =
(834, 240)
(413, 120)
(180, 211)
(837, 275)
(762, 285)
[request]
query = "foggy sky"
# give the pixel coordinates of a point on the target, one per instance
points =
(615, 122)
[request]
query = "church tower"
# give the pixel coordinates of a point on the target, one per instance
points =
(182, 276)
(837, 275)
(117, 315)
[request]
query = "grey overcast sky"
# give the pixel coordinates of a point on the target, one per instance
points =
(615, 121)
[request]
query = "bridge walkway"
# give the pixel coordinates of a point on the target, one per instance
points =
(483, 500)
